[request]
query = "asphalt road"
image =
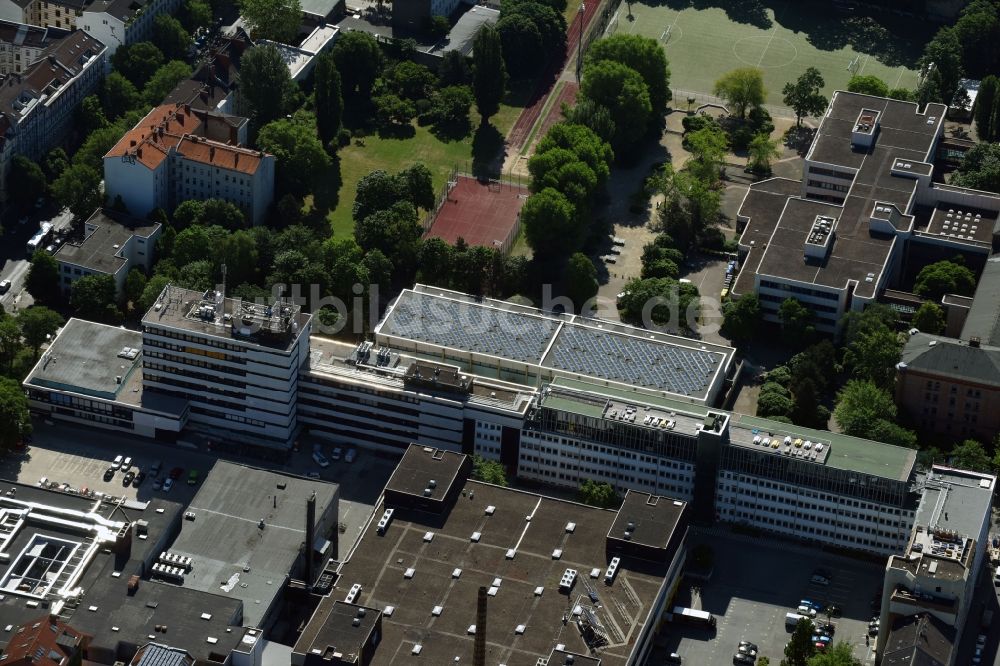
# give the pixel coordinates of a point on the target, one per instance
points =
(12, 251)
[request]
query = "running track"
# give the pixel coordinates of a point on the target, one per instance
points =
(522, 127)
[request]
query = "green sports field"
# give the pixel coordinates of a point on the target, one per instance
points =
(704, 39)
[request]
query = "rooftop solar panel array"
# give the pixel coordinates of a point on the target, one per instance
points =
(632, 360)
(470, 327)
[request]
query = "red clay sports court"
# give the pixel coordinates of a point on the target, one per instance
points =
(487, 214)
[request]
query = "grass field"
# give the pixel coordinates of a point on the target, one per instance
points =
(704, 39)
(394, 154)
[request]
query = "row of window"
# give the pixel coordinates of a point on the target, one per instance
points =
(813, 494)
(820, 171)
(795, 289)
(834, 535)
(828, 186)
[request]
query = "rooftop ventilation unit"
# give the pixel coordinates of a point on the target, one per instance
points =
(609, 575)
(568, 580)
(383, 523)
(353, 594)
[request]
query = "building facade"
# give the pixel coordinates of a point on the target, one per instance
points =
(120, 22)
(22, 45)
(177, 153)
(37, 107)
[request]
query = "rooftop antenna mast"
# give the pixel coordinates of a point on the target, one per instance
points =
(220, 299)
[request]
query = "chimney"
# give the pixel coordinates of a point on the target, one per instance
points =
(974, 341)
(310, 536)
(211, 153)
(479, 649)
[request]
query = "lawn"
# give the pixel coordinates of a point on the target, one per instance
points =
(393, 154)
(703, 40)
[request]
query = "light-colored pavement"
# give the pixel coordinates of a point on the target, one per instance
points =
(12, 255)
(79, 456)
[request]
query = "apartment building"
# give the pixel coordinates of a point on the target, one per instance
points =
(37, 106)
(235, 363)
(22, 45)
(113, 244)
(177, 153)
(934, 576)
(119, 22)
(840, 236)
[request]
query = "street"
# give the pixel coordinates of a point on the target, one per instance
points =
(12, 251)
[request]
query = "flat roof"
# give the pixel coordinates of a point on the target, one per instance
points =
(422, 464)
(225, 539)
(956, 500)
(650, 520)
(101, 249)
(560, 344)
(434, 607)
(278, 324)
(86, 358)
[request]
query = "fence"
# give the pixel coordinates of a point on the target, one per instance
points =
(510, 181)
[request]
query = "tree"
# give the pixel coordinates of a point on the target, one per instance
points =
(865, 410)
(985, 111)
(55, 162)
(450, 106)
(329, 101)
(550, 223)
(742, 88)
(165, 80)
(800, 648)
(10, 342)
(359, 61)
(592, 116)
(78, 188)
(584, 143)
(740, 318)
(42, 281)
(416, 185)
(222, 213)
(410, 80)
(598, 493)
(929, 318)
(971, 455)
(531, 33)
(393, 110)
(135, 284)
(644, 55)
(580, 279)
(489, 471)
(38, 323)
(868, 85)
(944, 277)
(902, 94)
(980, 168)
(841, 654)
(622, 91)
(119, 95)
(299, 156)
(489, 73)
(25, 181)
(276, 20)
(803, 95)
(170, 37)
(453, 69)
(137, 62)
(659, 302)
(265, 84)
(97, 144)
(708, 148)
(91, 115)
(15, 421)
(944, 53)
(874, 355)
(796, 323)
(762, 150)
(196, 14)
(94, 297)
(152, 291)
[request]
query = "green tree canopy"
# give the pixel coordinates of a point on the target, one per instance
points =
(873, 356)
(78, 189)
(10, 342)
(580, 279)
(598, 493)
(841, 654)
(25, 181)
(137, 62)
(980, 168)
(299, 155)
(489, 72)
(196, 14)
(359, 61)
(929, 318)
(741, 318)
(171, 38)
(37, 324)
(94, 297)
(944, 52)
(660, 302)
(985, 111)
(971, 455)
(277, 20)
(796, 322)
(119, 95)
(164, 80)
(762, 150)
(644, 55)
(865, 410)
(800, 648)
(489, 471)
(622, 91)
(265, 84)
(944, 277)
(742, 88)
(584, 143)
(42, 281)
(550, 223)
(15, 421)
(708, 148)
(530, 33)
(803, 95)
(152, 291)
(329, 101)
(868, 84)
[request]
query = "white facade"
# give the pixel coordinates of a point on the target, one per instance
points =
(116, 23)
(108, 248)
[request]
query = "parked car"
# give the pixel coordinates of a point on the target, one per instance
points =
(167, 485)
(117, 462)
(320, 459)
(313, 475)
(127, 479)
(740, 658)
(811, 604)
(819, 580)
(157, 485)
(337, 453)
(140, 476)
(350, 455)
(673, 658)
(4, 286)
(175, 473)
(109, 473)
(833, 610)
(154, 471)
(192, 477)
(808, 611)
(127, 463)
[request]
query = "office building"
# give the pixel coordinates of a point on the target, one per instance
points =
(177, 153)
(38, 105)
(113, 244)
(235, 363)
(934, 576)
(865, 209)
(439, 545)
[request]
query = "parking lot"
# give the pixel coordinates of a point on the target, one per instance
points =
(77, 457)
(755, 583)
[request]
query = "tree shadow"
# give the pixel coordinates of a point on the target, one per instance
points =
(451, 131)
(326, 193)
(487, 151)
(397, 131)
